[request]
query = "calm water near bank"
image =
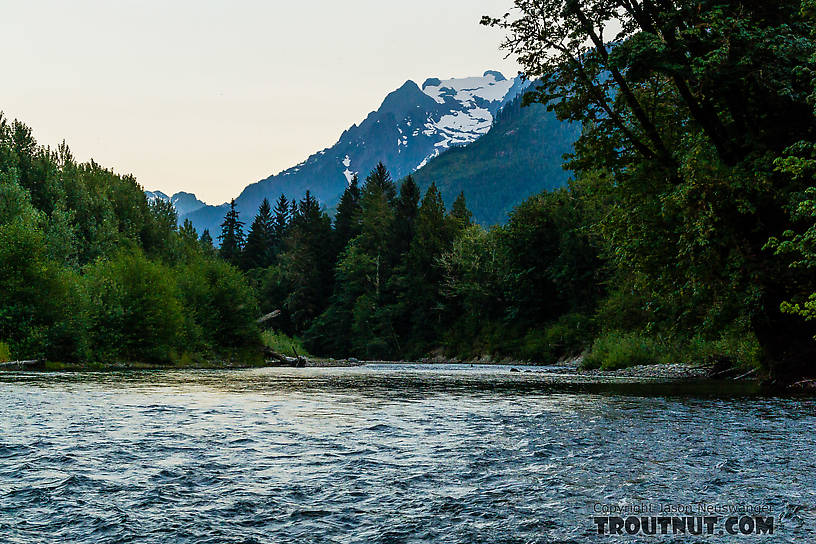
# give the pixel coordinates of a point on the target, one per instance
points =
(387, 453)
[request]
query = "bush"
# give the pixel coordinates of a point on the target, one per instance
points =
(617, 350)
(736, 349)
(135, 313)
(569, 336)
(283, 344)
(220, 307)
(5, 352)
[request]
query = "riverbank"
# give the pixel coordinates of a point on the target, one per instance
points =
(676, 373)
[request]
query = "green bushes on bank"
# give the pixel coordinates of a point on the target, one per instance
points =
(91, 272)
(616, 349)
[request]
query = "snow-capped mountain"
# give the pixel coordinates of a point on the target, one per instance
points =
(184, 203)
(412, 126)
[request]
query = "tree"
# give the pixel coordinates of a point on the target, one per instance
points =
(206, 242)
(407, 208)
(189, 245)
(460, 214)
(259, 247)
(421, 279)
(308, 263)
(282, 218)
(680, 130)
(347, 219)
(358, 306)
(232, 236)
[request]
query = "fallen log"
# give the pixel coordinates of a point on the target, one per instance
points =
(267, 317)
(35, 364)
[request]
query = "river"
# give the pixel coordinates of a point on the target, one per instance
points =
(388, 454)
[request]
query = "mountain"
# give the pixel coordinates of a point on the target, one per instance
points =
(411, 127)
(520, 156)
(184, 203)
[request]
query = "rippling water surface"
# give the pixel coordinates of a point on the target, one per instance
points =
(390, 453)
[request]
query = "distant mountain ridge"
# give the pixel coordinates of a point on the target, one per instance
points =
(184, 203)
(412, 131)
(412, 126)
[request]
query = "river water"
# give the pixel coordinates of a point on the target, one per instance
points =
(388, 454)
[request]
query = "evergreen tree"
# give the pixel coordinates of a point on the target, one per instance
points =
(407, 208)
(380, 180)
(187, 231)
(460, 214)
(188, 244)
(206, 241)
(420, 292)
(308, 263)
(294, 212)
(347, 219)
(282, 218)
(232, 236)
(258, 250)
(358, 311)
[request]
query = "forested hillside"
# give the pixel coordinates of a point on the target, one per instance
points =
(521, 155)
(89, 271)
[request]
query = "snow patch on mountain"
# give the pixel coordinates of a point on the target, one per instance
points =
(347, 172)
(492, 87)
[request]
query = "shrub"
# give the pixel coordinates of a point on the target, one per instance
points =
(738, 349)
(221, 307)
(5, 352)
(617, 350)
(568, 336)
(135, 313)
(283, 344)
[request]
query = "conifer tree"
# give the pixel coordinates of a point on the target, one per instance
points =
(347, 219)
(187, 231)
(232, 236)
(282, 217)
(294, 212)
(460, 214)
(407, 208)
(257, 252)
(308, 262)
(423, 276)
(379, 179)
(206, 242)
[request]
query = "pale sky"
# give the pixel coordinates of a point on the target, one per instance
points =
(208, 96)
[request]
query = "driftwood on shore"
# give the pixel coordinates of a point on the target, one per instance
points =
(273, 358)
(35, 364)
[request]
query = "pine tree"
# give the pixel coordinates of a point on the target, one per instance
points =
(308, 262)
(380, 179)
(188, 241)
(460, 214)
(407, 208)
(232, 236)
(423, 276)
(282, 218)
(206, 242)
(347, 219)
(294, 212)
(258, 250)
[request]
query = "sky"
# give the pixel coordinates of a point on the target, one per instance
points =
(208, 96)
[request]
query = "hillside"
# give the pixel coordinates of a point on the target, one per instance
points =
(521, 155)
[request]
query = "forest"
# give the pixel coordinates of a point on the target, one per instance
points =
(687, 233)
